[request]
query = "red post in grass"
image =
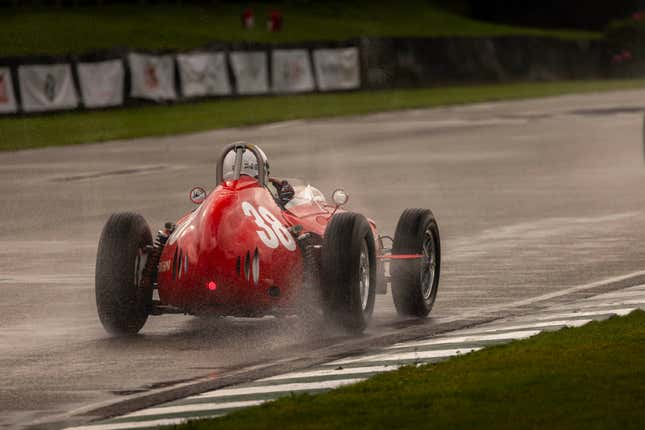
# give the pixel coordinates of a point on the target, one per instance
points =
(274, 22)
(248, 18)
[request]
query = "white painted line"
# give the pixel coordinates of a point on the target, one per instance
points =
(543, 324)
(598, 312)
(467, 339)
(555, 294)
(415, 355)
(331, 372)
(282, 388)
(196, 407)
(132, 424)
(636, 287)
(615, 301)
(584, 305)
(618, 295)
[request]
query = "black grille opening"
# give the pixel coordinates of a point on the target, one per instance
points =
(247, 266)
(174, 264)
(274, 291)
(179, 261)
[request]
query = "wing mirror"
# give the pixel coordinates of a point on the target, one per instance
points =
(198, 195)
(339, 197)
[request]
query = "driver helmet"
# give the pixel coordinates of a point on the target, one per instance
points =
(249, 164)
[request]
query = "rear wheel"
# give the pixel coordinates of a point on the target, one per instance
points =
(415, 282)
(121, 300)
(348, 271)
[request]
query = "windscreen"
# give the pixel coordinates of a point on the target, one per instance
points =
(306, 194)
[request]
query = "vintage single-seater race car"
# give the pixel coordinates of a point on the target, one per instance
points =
(245, 252)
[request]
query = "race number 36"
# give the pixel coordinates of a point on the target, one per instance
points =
(272, 232)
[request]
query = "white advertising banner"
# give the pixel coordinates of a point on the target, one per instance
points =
(251, 74)
(46, 87)
(7, 97)
(152, 76)
(203, 74)
(101, 83)
(291, 71)
(337, 69)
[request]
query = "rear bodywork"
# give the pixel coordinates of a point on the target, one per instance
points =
(239, 253)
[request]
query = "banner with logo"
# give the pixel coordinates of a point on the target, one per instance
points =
(337, 69)
(251, 73)
(46, 87)
(152, 77)
(291, 71)
(7, 97)
(203, 74)
(101, 83)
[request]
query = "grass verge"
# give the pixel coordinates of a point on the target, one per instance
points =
(47, 30)
(588, 378)
(83, 127)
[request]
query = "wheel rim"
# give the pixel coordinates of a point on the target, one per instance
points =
(429, 264)
(364, 275)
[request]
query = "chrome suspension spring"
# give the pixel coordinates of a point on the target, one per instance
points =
(154, 254)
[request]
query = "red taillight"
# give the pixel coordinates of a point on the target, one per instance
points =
(212, 286)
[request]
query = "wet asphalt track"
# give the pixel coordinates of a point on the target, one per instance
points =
(531, 197)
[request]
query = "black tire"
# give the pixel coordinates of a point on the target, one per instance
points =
(122, 304)
(347, 245)
(412, 294)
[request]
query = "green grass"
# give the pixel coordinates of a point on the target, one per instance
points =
(587, 378)
(48, 30)
(82, 127)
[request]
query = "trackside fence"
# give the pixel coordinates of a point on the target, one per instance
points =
(120, 77)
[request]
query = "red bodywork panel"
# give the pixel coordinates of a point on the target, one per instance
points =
(238, 239)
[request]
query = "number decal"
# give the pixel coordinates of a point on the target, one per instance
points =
(267, 235)
(280, 230)
(272, 234)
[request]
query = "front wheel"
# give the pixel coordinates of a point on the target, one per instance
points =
(121, 300)
(348, 271)
(415, 282)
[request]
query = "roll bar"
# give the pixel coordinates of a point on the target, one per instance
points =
(240, 148)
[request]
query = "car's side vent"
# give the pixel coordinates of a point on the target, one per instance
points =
(247, 266)
(174, 264)
(179, 261)
(256, 267)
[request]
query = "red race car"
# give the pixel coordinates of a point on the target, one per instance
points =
(256, 246)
